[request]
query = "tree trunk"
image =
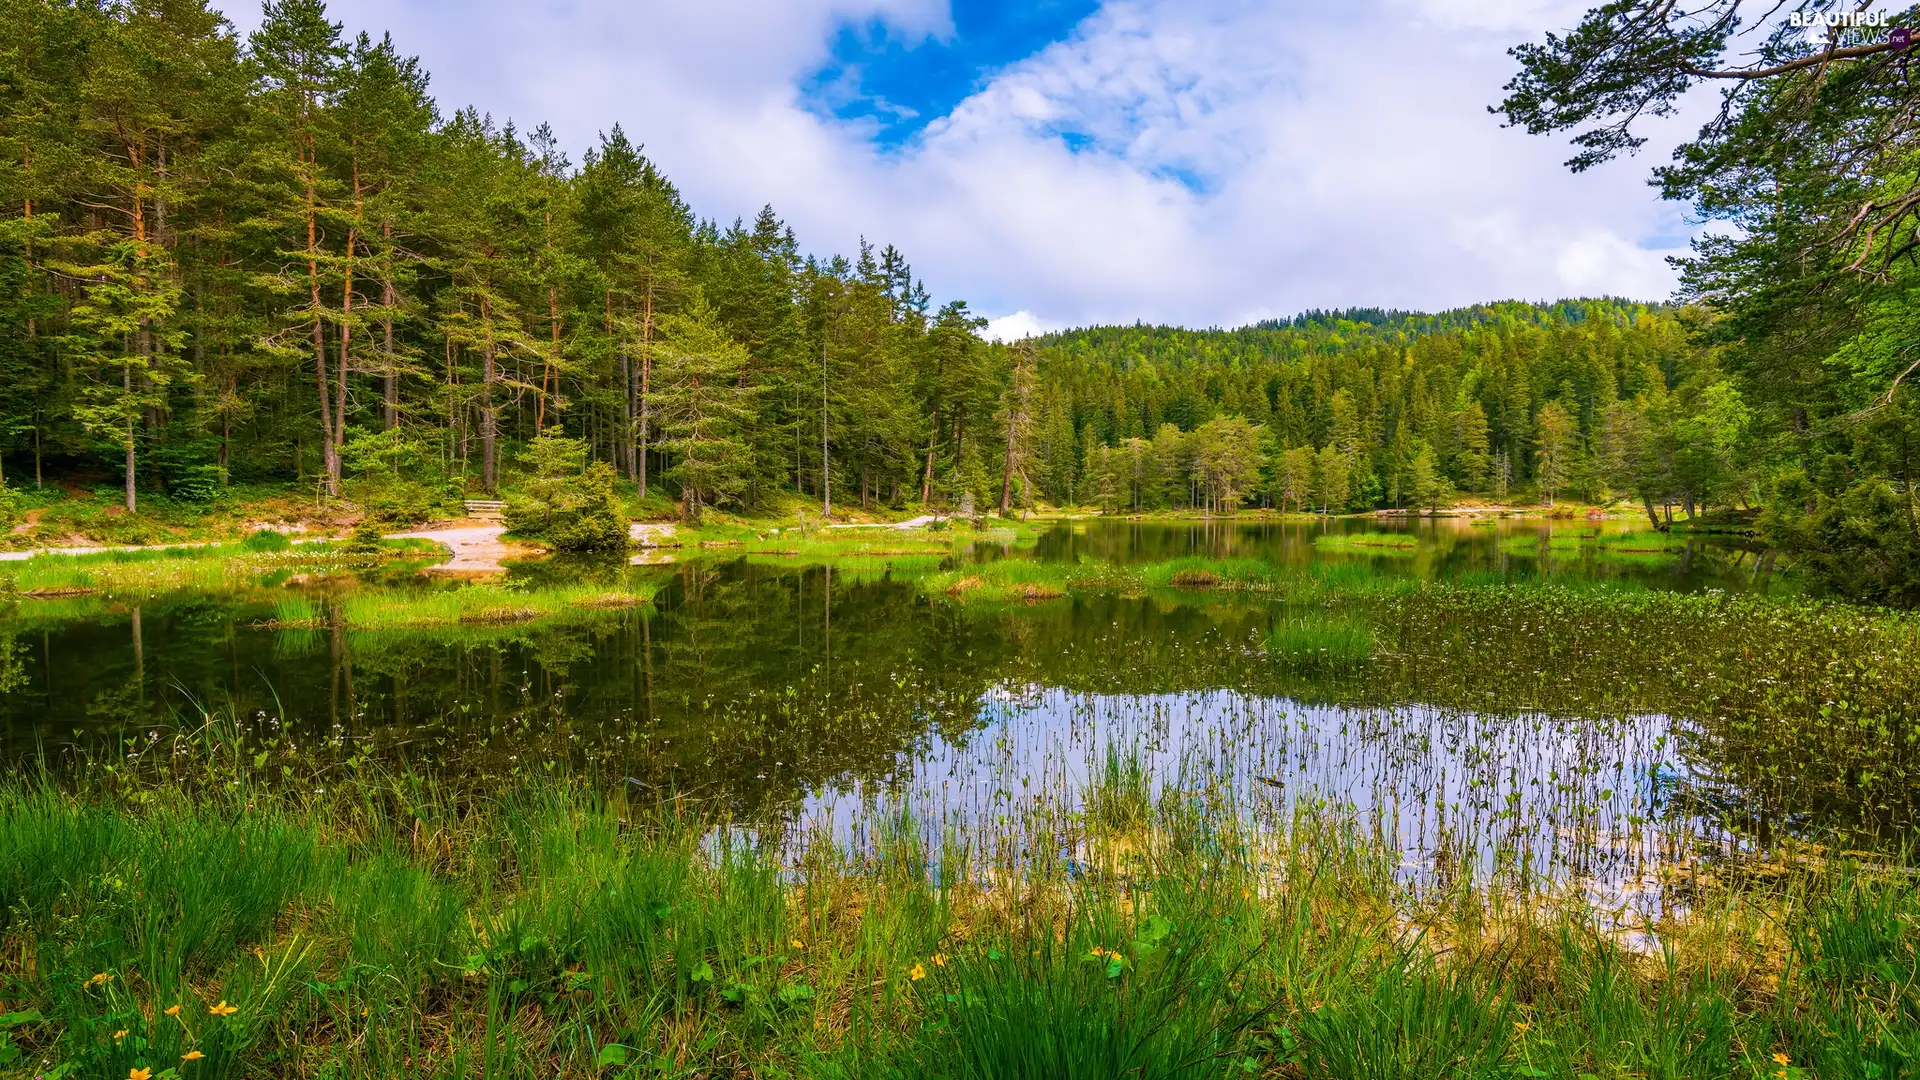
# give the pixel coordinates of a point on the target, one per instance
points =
(390, 381)
(546, 372)
(1006, 472)
(623, 451)
(826, 465)
(126, 386)
(329, 450)
(346, 339)
(646, 388)
(926, 478)
(489, 421)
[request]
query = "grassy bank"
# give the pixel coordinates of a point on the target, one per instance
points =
(186, 911)
(205, 566)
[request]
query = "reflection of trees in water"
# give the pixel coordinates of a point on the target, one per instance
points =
(756, 683)
(1449, 547)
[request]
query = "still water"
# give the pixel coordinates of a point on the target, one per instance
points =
(812, 692)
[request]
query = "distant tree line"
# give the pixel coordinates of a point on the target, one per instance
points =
(1598, 400)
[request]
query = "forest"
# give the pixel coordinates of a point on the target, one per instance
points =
(276, 260)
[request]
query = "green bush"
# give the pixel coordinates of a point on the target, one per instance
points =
(397, 478)
(1860, 540)
(9, 507)
(571, 509)
(266, 540)
(597, 522)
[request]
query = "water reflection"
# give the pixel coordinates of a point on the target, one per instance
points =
(788, 691)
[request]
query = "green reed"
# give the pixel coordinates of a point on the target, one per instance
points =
(355, 919)
(483, 604)
(1371, 543)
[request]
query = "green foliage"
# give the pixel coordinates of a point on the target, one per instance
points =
(1862, 540)
(266, 540)
(396, 476)
(1813, 288)
(596, 520)
(575, 509)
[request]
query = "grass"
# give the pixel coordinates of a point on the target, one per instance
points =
(98, 515)
(481, 604)
(1644, 542)
(1013, 580)
(1373, 543)
(206, 566)
(371, 921)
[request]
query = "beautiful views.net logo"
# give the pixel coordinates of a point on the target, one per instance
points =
(1847, 29)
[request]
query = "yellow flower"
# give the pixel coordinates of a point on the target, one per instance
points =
(797, 943)
(917, 972)
(1522, 1026)
(939, 959)
(1782, 1059)
(121, 1034)
(101, 979)
(139, 1074)
(192, 1055)
(173, 1010)
(223, 1009)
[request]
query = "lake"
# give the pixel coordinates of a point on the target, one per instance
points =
(1519, 696)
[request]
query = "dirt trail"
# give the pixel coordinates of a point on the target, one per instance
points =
(920, 522)
(476, 547)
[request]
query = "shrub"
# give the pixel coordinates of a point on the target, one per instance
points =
(596, 521)
(1860, 541)
(266, 540)
(365, 539)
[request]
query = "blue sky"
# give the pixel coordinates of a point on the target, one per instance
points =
(1065, 162)
(898, 83)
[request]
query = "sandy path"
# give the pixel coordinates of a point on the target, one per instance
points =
(649, 535)
(477, 549)
(920, 522)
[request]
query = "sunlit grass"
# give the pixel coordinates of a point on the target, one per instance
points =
(1371, 543)
(206, 901)
(481, 604)
(208, 567)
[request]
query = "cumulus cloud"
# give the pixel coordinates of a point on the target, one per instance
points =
(1204, 162)
(1020, 324)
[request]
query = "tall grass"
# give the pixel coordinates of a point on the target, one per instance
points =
(373, 922)
(1371, 543)
(211, 567)
(482, 604)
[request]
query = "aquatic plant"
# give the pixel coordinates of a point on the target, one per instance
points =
(190, 907)
(1373, 543)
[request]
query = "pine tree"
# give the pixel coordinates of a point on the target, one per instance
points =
(703, 410)
(1556, 449)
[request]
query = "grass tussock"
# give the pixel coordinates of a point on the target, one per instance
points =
(483, 604)
(1373, 543)
(197, 914)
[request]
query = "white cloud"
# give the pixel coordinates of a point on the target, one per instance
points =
(1020, 324)
(1243, 159)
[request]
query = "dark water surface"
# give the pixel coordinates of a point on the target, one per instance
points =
(793, 691)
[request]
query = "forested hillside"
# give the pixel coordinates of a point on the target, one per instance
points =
(1594, 400)
(277, 261)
